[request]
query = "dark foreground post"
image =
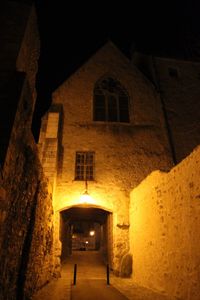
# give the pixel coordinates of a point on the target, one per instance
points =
(108, 274)
(75, 271)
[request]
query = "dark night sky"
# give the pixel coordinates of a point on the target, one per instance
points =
(70, 32)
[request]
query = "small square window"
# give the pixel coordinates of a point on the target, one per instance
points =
(173, 72)
(84, 169)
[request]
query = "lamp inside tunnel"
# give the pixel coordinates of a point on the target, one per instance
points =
(92, 232)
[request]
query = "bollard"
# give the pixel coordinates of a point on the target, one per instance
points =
(75, 271)
(108, 274)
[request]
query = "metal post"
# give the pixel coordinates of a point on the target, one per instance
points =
(108, 274)
(75, 271)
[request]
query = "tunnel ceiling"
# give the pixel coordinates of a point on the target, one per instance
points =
(75, 214)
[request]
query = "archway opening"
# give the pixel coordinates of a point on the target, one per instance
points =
(86, 229)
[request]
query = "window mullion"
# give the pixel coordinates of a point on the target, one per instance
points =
(111, 101)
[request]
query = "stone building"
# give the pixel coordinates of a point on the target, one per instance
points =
(177, 83)
(26, 214)
(105, 132)
(110, 125)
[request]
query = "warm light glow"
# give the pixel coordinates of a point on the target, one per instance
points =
(92, 233)
(86, 198)
(86, 242)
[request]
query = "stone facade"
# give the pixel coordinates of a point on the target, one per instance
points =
(164, 231)
(177, 83)
(27, 227)
(181, 94)
(26, 212)
(125, 153)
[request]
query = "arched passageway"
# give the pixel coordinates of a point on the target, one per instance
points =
(86, 229)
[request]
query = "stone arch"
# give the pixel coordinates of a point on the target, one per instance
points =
(79, 217)
(85, 206)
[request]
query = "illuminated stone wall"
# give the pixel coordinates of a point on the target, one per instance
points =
(41, 267)
(26, 212)
(26, 256)
(124, 153)
(165, 230)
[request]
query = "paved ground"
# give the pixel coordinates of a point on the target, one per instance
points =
(57, 289)
(91, 283)
(90, 289)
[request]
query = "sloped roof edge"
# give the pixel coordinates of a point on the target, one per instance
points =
(105, 44)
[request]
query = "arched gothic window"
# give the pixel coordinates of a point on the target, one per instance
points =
(110, 101)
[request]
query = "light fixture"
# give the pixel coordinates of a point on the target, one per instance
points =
(92, 232)
(85, 198)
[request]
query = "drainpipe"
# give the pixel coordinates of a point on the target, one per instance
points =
(168, 129)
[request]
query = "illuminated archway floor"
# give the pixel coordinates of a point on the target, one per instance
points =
(89, 265)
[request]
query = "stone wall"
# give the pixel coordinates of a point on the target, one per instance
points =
(41, 265)
(26, 212)
(165, 230)
(178, 84)
(181, 97)
(27, 260)
(27, 59)
(19, 53)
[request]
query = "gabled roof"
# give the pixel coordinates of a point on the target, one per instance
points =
(107, 45)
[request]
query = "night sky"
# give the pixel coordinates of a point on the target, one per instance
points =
(70, 33)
